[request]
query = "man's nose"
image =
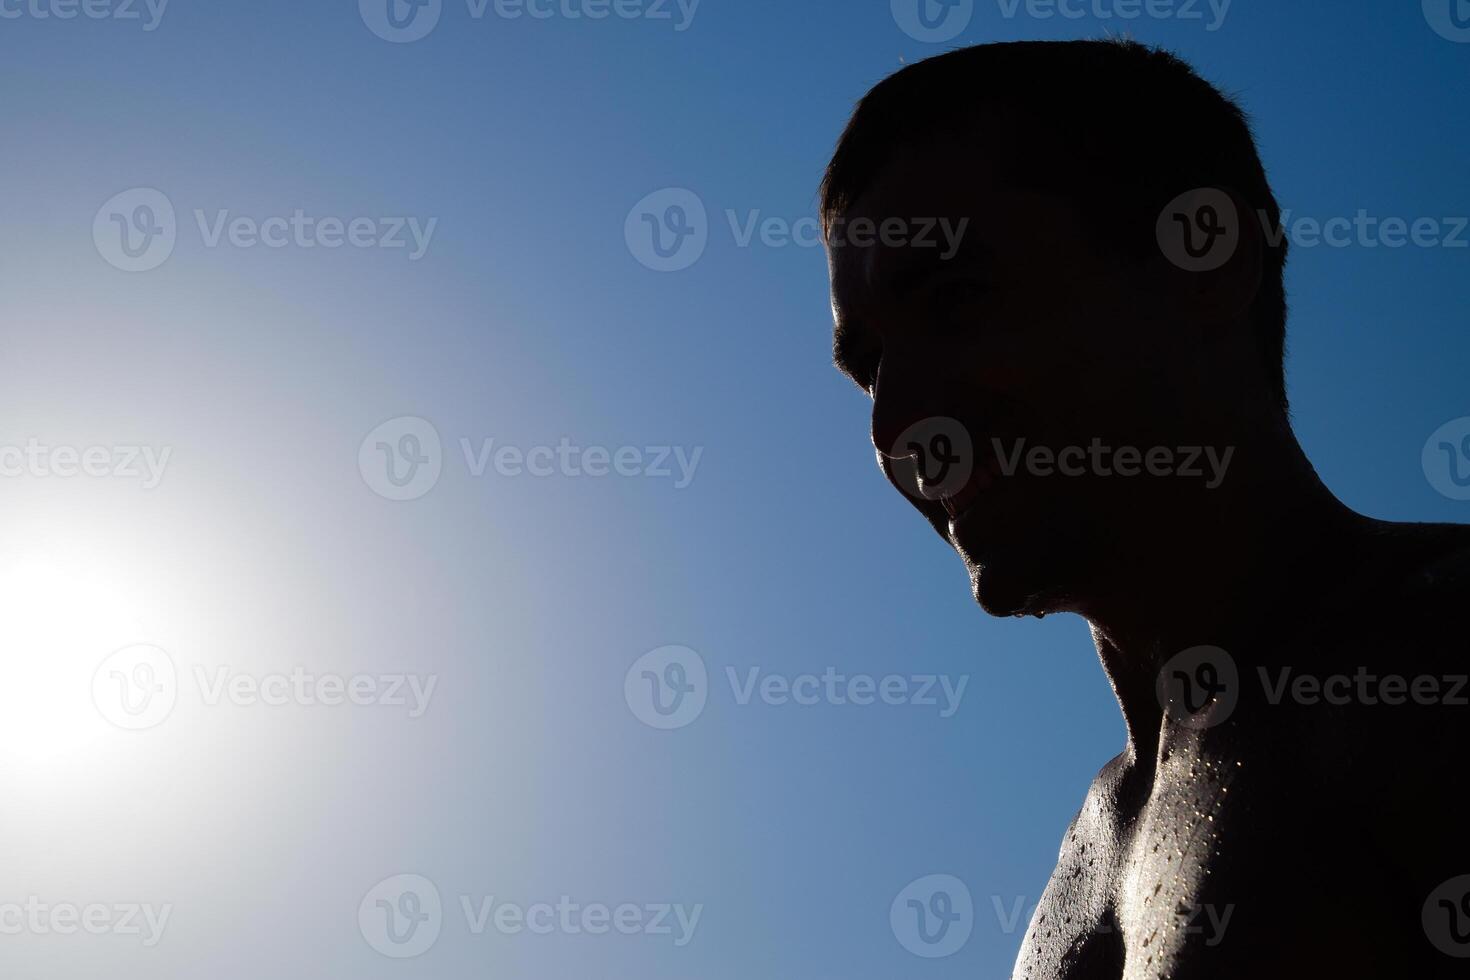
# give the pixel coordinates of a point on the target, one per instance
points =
(900, 399)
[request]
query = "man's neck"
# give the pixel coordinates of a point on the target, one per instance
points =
(1218, 571)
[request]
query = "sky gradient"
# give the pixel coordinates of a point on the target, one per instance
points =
(738, 513)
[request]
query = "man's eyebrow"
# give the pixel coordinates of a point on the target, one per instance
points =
(848, 350)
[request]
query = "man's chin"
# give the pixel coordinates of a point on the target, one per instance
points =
(1000, 591)
(1024, 567)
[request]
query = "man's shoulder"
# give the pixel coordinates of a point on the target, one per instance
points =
(1402, 598)
(1425, 561)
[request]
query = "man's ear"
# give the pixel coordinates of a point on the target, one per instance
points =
(1211, 251)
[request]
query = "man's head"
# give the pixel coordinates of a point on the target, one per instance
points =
(1010, 252)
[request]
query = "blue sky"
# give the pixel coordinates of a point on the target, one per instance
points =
(267, 546)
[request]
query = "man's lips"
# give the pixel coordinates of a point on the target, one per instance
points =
(982, 478)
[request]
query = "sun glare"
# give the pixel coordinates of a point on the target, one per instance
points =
(59, 618)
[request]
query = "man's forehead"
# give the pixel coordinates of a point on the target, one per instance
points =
(945, 180)
(918, 208)
(947, 189)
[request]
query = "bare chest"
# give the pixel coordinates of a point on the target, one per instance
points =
(1132, 894)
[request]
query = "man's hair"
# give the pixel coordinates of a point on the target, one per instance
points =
(1117, 128)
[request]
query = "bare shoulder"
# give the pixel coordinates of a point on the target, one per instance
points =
(1344, 816)
(1073, 932)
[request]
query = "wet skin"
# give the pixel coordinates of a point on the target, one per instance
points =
(1282, 838)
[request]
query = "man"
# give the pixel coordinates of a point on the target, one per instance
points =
(1085, 398)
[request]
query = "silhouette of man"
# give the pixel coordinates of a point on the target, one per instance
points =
(1085, 398)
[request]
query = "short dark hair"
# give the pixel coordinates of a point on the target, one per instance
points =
(1117, 127)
